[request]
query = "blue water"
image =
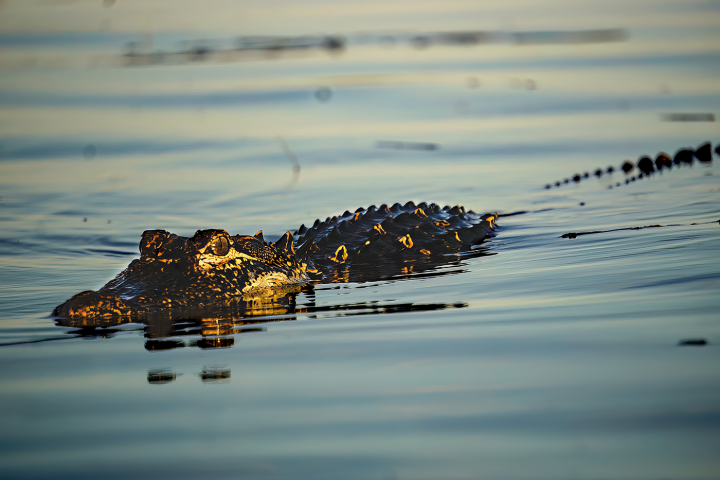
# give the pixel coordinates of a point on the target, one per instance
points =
(547, 358)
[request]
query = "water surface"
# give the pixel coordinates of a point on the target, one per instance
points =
(547, 358)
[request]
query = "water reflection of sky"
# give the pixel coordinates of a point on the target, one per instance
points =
(551, 358)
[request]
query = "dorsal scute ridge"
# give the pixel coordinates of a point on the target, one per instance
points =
(648, 167)
(704, 153)
(285, 244)
(400, 231)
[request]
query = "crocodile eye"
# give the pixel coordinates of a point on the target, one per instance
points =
(220, 246)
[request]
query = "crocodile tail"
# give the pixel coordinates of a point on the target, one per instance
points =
(646, 166)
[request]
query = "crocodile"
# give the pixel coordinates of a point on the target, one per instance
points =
(646, 166)
(212, 270)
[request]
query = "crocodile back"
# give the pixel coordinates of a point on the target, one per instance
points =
(353, 246)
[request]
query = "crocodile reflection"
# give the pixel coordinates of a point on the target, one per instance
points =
(209, 374)
(162, 332)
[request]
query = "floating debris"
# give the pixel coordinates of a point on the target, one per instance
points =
(578, 234)
(693, 342)
(407, 145)
(579, 36)
(689, 117)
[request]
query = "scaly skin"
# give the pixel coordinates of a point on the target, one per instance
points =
(215, 271)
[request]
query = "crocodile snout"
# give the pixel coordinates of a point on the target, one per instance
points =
(93, 304)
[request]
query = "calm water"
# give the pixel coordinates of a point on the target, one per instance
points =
(548, 358)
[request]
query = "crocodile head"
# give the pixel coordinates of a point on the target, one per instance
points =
(200, 272)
